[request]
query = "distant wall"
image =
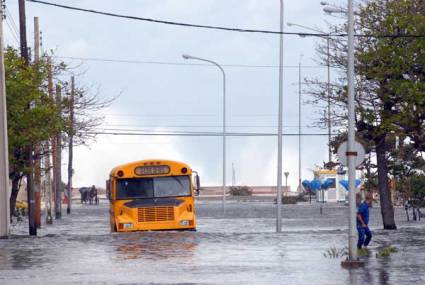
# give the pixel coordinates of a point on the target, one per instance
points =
(215, 191)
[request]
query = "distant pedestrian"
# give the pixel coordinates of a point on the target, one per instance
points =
(84, 191)
(93, 199)
(363, 230)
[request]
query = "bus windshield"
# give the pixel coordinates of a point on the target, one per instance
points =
(153, 187)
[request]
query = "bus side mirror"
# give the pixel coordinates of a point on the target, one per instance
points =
(197, 184)
(108, 189)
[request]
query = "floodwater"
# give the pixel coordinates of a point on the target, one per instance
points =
(240, 248)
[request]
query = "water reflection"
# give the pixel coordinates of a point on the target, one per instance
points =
(23, 258)
(353, 275)
(3, 257)
(156, 245)
(375, 271)
(384, 276)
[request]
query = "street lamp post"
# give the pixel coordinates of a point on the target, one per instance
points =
(280, 126)
(286, 179)
(328, 87)
(4, 164)
(351, 154)
(185, 56)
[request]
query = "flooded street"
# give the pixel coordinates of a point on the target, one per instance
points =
(240, 248)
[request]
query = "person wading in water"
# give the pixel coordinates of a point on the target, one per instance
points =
(365, 234)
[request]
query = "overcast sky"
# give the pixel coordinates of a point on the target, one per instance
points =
(161, 97)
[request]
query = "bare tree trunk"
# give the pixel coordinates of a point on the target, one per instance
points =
(387, 209)
(14, 195)
(37, 187)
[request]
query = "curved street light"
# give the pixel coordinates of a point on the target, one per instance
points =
(186, 56)
(327, 37)
(351, 154)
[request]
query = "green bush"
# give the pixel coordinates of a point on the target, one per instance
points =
(293, 199)
(385, 252)
(240, 191)
(334, 252)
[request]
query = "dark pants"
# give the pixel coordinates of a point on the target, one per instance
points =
(363, 231)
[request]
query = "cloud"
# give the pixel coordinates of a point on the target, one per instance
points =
(163, 96)
(76, 48)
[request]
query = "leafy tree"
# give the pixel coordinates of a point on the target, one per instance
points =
(413, 186)
(32, 115)
(390, 84)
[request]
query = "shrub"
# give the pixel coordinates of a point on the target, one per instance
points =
(334, 252)
(293, 199)
(385, 252)
(240, 191)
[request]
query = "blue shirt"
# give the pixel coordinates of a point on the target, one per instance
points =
(364, 212)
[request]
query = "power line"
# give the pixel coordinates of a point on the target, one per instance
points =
(142, 130)
(201, 134)
(12, 21)
(179, 63)
(206, 126)
(12, 25)
(12, 31)
(321, 35)
(185, 115)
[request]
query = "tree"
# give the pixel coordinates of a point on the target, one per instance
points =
(390, 83)
(32, 115)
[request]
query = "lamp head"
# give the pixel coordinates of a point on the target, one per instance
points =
(185, 56)
(331, 10)
(289, 24)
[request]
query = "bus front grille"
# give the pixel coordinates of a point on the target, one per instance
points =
(155, 214)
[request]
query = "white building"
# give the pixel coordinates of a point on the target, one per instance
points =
(336, 192)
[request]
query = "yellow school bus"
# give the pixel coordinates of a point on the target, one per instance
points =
(152, 195)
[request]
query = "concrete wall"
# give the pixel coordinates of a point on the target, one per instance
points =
(215, 191)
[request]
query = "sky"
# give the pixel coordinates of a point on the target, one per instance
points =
(188, 98)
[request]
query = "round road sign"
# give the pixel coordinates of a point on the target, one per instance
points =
(358, 152)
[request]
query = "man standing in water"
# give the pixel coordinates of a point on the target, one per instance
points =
(363, 221)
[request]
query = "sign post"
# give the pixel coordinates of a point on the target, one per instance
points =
(351, 155)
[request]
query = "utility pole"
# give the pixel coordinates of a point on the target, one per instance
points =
(233, 174)
(37, 149)
(57, 161)
(47, 163)
(71, 142)
(299, 125)
(29, 151)
(328, 39)
(36, 40)
(4, 159)
(23, 31)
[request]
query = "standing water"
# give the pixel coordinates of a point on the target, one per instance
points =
(241, 248)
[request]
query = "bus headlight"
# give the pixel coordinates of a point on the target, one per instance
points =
(184, 223)
(127, 225)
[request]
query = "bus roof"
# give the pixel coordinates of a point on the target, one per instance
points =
(148, 162)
